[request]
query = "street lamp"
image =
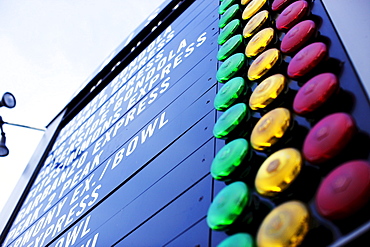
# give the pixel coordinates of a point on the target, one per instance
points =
(8, 100)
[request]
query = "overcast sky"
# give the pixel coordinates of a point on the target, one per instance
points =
(47, 50)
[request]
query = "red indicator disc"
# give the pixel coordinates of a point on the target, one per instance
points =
(307, 59)
(296, 37)
(328, 137)
(315, 93)
(345, 190)
(280, 4)
(291, 15)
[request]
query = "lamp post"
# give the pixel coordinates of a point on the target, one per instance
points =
(8, 100)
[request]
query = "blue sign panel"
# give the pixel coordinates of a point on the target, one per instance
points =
(160, 104)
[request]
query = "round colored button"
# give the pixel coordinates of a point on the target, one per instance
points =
(263, 63)
(225, 5)
(227, 206)
(229, 48)
(270, 128)
(278, 171)
(280, 4)
(259, 42)
(238, 240)
(296, 37)
(228, 31)
(229, 15)
(252, 8)
(291, 15)
(229, 158)
(315, 93)
(328, 137)
(229, 93)
(307, 59)
(230, 67)
(267, 91)
(244, 2)
(230, 119)
(285, 225)
(345, 190)
(255, 23)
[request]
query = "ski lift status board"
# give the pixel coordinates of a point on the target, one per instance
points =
(243, 121)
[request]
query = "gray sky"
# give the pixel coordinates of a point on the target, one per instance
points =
(47, 50)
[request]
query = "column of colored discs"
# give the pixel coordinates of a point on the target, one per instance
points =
(308, 57)
(287, 224)
(231, 97)
(231, 204)
(260, 36)
(345, 190)
(265, 58)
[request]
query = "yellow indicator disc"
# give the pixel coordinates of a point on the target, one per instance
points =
(263, 63)
(278, 171)
(252, 8)
(259, 42)
(267, 91)
(255, 23)
(270, 128)
(286, 225)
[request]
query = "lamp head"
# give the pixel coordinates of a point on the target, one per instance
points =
(8, 100)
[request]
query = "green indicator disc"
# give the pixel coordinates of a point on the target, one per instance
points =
(230, 46)
(230, 67)
(227, 206)
(229, 93)
(229, 15)
(229, 120)
(228, 31)
(238, 240)
(229, 158)
(225, 5)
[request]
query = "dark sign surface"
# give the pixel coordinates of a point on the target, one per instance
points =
(116, 156)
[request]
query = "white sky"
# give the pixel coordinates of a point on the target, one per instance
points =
(47, 50)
